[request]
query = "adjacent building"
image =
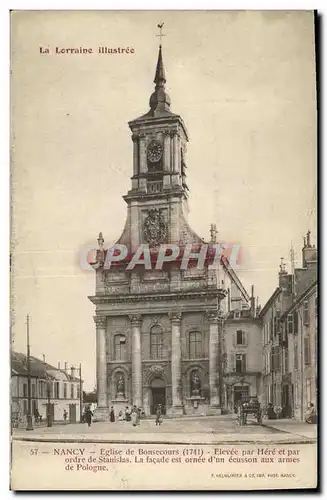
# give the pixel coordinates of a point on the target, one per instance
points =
(53, 390)
(289, 336)
(242, 347)
(273, 345)
(300, 335)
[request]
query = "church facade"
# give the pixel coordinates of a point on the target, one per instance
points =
(159, 332)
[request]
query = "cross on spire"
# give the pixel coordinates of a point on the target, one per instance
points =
(160, 26)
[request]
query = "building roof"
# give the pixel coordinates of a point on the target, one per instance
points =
(270, 301)
(300, 299)
(38, 368)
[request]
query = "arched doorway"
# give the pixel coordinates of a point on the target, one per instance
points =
(240, 391)
(158, 395)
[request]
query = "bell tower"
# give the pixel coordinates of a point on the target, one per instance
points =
(158, 194)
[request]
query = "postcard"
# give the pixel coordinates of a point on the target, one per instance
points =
(164, 297)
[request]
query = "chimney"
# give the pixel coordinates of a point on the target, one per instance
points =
(43, 356)
(283, 276)
(258, 308)
(252, 302)
(72, 372)
(66, 366)
(309, 252)
(58, 365)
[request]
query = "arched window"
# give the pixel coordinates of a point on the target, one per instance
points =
(156, 342)
(195, 345)
(120, 347)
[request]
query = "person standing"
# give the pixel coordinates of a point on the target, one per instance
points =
(159, 415)
(88, 416)
(134, 416)
(271, 412)
(65, 416)
(127, 414)
(311, 415)
(112, 414)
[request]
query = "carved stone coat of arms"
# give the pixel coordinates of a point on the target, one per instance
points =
(155, 228)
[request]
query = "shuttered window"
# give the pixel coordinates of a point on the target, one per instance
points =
(306, 315)
(306, 350)
(240, 363)
(240, 337)
(296, 322)
(296, 358)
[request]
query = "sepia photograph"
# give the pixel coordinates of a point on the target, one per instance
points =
(164, 250)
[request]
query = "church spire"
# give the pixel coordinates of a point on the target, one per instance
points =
(160, 100)
(160, 77)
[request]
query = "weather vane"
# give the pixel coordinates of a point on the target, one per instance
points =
(160, 34)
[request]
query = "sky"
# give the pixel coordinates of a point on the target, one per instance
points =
(244, 83)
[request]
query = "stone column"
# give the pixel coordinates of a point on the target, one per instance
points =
(166, 160)
(176, 159)
(136, 321)
(101, 360)
(143, 164)
(176, 365)
(213, 359)
(176, 153)
(135, 181)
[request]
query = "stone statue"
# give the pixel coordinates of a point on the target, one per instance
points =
(121, 386)
(195, 384)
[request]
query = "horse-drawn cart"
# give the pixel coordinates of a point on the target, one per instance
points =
(249, 405)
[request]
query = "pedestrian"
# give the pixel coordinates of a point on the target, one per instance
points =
(127, 414)
(311, 415)
(159, 415)
(88, 416)
(112, 414)
(271, 414)
(65, 416)
(134, 416)
(37, 416)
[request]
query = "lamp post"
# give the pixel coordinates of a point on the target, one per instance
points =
(29, 401)
(80, 395)
(49, 416)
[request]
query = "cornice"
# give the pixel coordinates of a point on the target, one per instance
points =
(160, 297)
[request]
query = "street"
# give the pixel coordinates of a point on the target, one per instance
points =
(179, 430)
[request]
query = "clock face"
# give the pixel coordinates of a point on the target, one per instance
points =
(154, 151)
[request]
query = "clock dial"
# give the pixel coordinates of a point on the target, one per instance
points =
(154, 151)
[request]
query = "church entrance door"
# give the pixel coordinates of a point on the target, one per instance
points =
(240, 391)
(158, 395)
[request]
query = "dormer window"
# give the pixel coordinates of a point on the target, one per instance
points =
(237, 314)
